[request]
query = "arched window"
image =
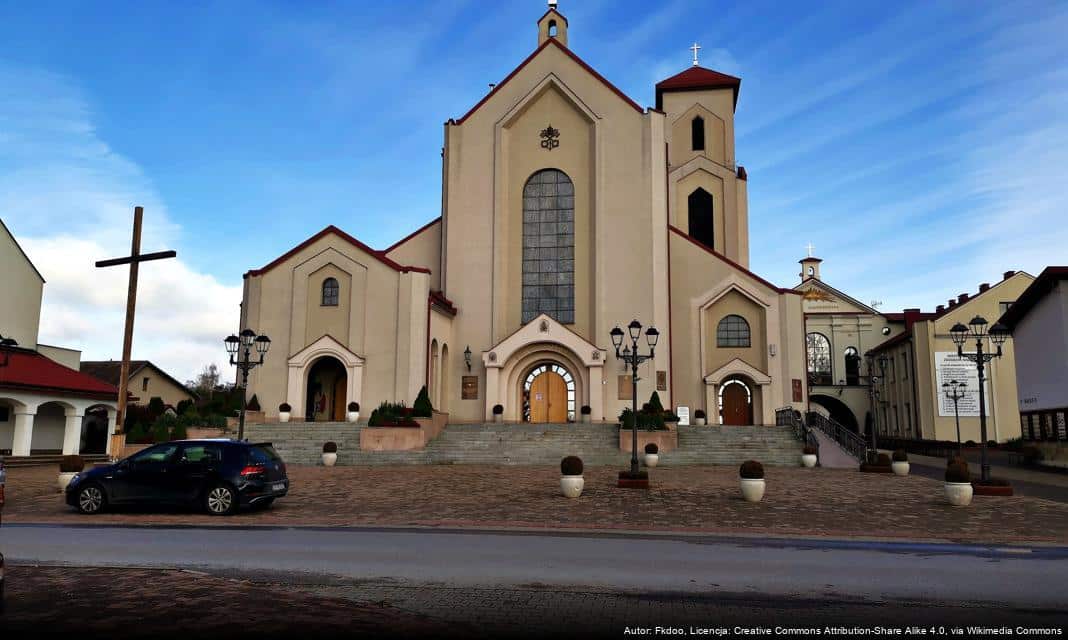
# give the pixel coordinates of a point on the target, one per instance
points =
(697, 133)
(732, 331)
(330, 292)
(549, 246)
(702, 222)
(852, 364)
(819, 359)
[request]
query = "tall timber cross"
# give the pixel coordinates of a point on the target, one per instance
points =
(134, 260)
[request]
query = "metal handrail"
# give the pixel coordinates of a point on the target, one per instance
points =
(850, 442)
(789, 417)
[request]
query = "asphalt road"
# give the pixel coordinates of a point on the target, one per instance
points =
(877, 572)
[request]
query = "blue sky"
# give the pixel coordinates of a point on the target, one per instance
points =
(921, 146)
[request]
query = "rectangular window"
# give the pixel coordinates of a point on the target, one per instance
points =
(144, 384)
(1004, 306)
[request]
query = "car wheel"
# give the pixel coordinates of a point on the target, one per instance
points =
(221, 500)
(91, 499)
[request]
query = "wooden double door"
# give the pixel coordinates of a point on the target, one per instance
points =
(548, 398)
(737, 405)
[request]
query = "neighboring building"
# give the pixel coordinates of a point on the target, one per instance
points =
(921, 358)
(839, 330)
(146, 381)
(1038, 321)
(567, 209)
(46, 404)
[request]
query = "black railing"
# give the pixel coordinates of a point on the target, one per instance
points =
(851, 442)
(790, 417)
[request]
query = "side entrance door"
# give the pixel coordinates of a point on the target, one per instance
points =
(548, 398)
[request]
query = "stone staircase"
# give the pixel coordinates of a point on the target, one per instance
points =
(534, 444)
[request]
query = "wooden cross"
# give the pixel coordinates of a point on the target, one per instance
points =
(135, 258)
(695, 48)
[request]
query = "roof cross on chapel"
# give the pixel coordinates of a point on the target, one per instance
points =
(695, 48)
(810, 248)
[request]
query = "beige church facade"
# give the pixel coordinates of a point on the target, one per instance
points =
(567, 209)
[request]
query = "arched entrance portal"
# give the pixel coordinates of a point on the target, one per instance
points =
(549, 394)
(735, 402)
(327, 382)
(838, 410)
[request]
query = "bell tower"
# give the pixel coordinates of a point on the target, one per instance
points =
(552, 25)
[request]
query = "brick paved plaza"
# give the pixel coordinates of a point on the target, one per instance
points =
(805, 502)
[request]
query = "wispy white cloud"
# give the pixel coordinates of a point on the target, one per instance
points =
(68, 198)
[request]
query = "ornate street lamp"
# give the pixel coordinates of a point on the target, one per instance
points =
(630, 355)
(241, 346)
(955, 391)
(7, 342)
(997, 334)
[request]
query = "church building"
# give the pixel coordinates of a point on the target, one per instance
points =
(567, 209)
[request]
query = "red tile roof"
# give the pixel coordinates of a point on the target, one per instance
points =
(379, 255)
(694, 79)
(28, 370)
(438, 299)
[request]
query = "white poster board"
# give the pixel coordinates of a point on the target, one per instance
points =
(950, 366)
(684, 414)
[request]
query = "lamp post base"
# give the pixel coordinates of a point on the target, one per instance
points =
(628, 480)
(1000, 490)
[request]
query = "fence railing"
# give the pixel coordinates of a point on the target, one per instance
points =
(789, 417)
(850, 442)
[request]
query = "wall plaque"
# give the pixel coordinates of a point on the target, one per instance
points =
(624, 388)
(661, 380)
(684, 414)
(469, 388)
(797, 389)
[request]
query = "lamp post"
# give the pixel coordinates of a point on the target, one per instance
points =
(875, 380)
(977, 329)
(955, 391)
(241, 346)
(630, 355)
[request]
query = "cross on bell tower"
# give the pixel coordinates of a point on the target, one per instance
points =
(695, 48)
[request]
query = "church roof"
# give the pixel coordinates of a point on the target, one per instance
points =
(332, 230)
(695, 79)
(730, 262)
(28, 370)
(548, 42)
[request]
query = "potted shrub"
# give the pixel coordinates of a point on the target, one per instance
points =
(585, 411)
(284, 412)
(699, 417)
(498, 413)
(958, 484)
(69, 467)
(353, 413)
(652, 454)
(808, 456)
(571, 481)
(752, 480)
(900, 464)
(329, 454)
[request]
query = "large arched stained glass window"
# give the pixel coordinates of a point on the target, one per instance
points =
(549, 246)
(819, 359)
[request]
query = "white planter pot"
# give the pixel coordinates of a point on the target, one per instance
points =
(809, 459)
(329, 459)
(900, 468)
(283, 416)
(585, 417)
(352, 416)
(652, 459)
(959, 494)
(752, 490)
(699, 422)
(64, 479)
(571, 486)
(498, 417)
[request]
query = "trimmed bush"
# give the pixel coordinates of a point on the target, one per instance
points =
(585, 410)
(957, 460)
(71, 464)
(652, 448)
(809, 450)
(253, 404)
(969, 443)
(958, 473)
(700, 413)
(422, 407)
(900, 456)
(646, 421)
(883, 460)
(571, 466)
(498, 409)
(285, 407)
(354, 406)
(991, 443)
(654, 403)
(156, 406)
(330, 447)
(670, 417)
(391, 414)
(751, 470)
(161, 432)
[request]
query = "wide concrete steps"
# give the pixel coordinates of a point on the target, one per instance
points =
(532, 444)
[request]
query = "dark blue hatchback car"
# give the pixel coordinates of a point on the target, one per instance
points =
(219, 476)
